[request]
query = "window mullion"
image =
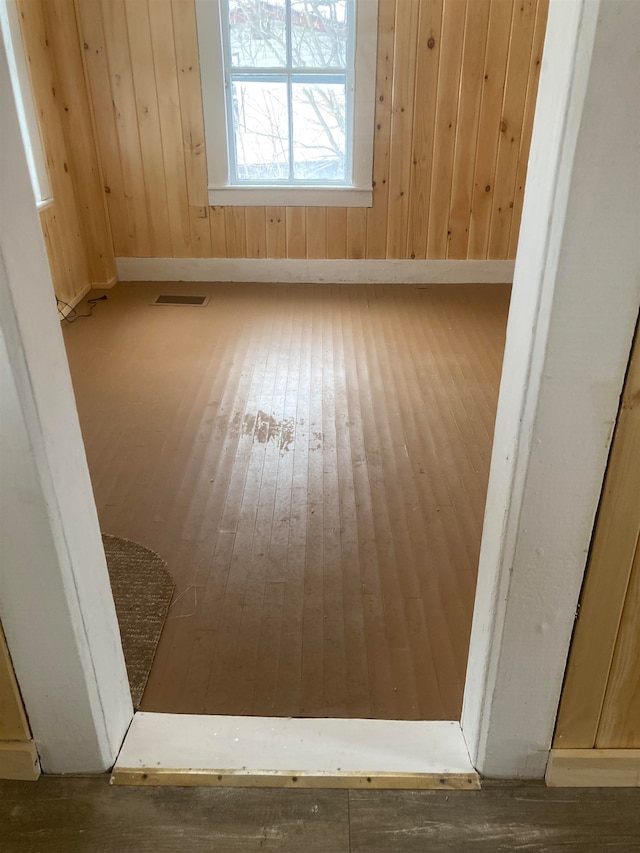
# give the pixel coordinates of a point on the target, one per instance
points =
(289, 88)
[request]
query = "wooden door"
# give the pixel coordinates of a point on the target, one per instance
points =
(598, 727)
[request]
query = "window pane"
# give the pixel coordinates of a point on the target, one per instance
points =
(258, 33)
(261, 128)
(319, 33)
(319, 130)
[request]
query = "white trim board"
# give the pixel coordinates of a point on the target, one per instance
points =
(191, 749)
(322, 271)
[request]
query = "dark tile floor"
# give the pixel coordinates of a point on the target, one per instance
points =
(83, 815)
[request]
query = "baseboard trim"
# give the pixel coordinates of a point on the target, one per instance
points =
(19, 761)
(593, 768)
(277, 752)
(287, 271)
(68, 307)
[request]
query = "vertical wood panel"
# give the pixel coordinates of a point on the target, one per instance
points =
(256, 232)
(13, 720)
(603, 614)
(296, 232)
(276, 232)
(96, 63)
(64, 229)
(527, 123)
(489, 126)
(123, 99)
(446, 119)
(620, 720)
(168, 97)
(77, 123)
(146, 104)
(524, 19)
(473, 59)
(356, 232)
(377, 215)
(429, 41)
(336, 232)
(405, 49)
(316, 232)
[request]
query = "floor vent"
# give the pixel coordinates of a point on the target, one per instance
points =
(171, 299)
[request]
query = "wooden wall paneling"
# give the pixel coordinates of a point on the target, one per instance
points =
(336, 232)
(377, 215)
(71, 268)
(146, 104)
(418, 167)
(406, 37)
(446, 120)
(55, 252)
(296, 232)
(114, 21)
(316, 226)
(256, 232)
(426, 90)
(187, 58)
(236, 231)
(108, 143)
(619, 726)
(13, 720)
(527, 124)
(77, 124)
(489, 125)
(276, 232)
(606, 583)
(473, 61)
(515, 93)
(357, 232)
(170, 119)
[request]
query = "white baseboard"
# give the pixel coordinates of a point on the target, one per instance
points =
(315, 271)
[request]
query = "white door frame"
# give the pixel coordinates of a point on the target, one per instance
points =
(575, 303)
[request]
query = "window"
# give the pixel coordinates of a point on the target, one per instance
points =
(289, 100)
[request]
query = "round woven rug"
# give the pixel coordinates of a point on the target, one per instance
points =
(142, 591)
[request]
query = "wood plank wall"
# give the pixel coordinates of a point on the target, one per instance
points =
(600, 706)
(75, 225)
(456, 89)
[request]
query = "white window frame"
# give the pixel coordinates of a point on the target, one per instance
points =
(27, 116)
(359, 193)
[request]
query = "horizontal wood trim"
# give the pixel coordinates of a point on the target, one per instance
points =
(593, 768)
(151, 776)
(315, 271)
(19, 761)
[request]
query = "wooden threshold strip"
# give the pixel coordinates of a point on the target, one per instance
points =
(275, 752)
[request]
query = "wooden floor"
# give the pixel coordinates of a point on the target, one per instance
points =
(312, 463)
(89, 816)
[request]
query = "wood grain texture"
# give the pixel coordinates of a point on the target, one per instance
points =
(13, 720)
(594, 768)
(601, 681)
(450, 75)
(19, 761)
(89, 815)
(75, 226)
(312, 462)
